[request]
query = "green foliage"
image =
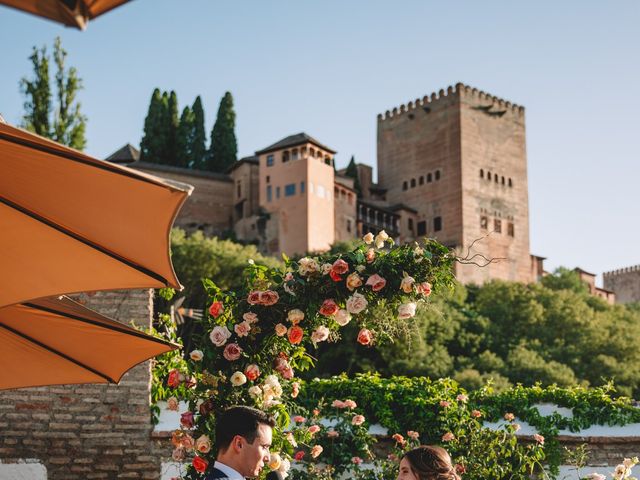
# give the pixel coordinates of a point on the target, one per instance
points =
(65, 124)
(184, 138)
(224, 148)
(564, 279)
(159, 143)
(198, 148)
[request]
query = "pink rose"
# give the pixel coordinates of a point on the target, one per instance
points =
(350, 404)
(203, 444)
(365, 337)
(424, 288)
(376, 282)
(462, 398)
(357, 420)
(406, 285)
(332, 434)
(295, 389)
(295, 335)
(232, 352)
(252, 371)
(476, 413)
(299, 419)
(406, 310)
(338, 404)
(254, 298)
(299, 455)
(398, 438)
(269, 298)
(187, 442)
(538, 438)
(370, 255)
(320, 334)
(447, 437)
(287, 373)
(334, 276)
(242, 329)
(340, 267)
(356, 303)
(281, 330)
(186, 419)
(444, 403)
(329, 307)
(413, 435)
(356, 460)
(219, 335)
(314, 429)
(216, 309)
(353, 281)
(342, 317)
(250, 317)
(174, 378)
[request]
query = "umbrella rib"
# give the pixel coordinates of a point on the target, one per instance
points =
(76, 158)
(123, 329)
(80, 239)
(56, 352)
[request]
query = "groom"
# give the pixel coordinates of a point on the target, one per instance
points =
(243, 437)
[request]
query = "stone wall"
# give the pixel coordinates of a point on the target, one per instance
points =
(86, 431)
(625, 283)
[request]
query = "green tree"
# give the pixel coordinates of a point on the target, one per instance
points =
(352, 171)
(171, 123)
(184, 138)
(224, 148)
(65, 124)
(152, 143)
(198, 147)
(564, 279)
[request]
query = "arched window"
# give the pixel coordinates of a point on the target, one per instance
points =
(294, 154)
(413, 183)
(495, 177)
(312, 152)
(510, 183)
(437, 175)
(421, 180)
(481, 173)
(428, 178)
(285, 156)
(488, 175)
(405, 185)
(502, 180)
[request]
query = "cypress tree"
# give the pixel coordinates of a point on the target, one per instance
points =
(184, 138)
(198, 147)
(171, 153)
(224, 148)
(352, 171)
(151, 143)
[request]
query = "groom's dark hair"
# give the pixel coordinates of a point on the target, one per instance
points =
(240, 420)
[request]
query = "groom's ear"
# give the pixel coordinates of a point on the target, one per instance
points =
(237, 443)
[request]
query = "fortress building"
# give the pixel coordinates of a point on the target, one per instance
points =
(451, 166)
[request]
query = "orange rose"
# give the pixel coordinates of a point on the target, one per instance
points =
(252, 371)
(216, 309)
(295, 334)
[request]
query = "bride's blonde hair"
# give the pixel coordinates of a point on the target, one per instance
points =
(431, 463)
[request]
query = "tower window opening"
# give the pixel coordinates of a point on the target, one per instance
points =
(484, 222)
(437, 224)
(497, 225)
(405, 185)
(481, 173)
(422, 228)
(437, 175)
(421, 180)
(502, 180)
(413, 183)
(488, 175)
(429, 178)
(510, 229)
(510, 183)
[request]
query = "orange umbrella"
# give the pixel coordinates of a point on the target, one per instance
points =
(72, 13)
(58, 341)
(72, 223)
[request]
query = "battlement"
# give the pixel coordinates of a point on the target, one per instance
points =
(621, 271)
(459, 89)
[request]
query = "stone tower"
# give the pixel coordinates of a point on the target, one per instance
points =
(458, 158)
(625, 283)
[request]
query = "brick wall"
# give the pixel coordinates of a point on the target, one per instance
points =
(87, 431)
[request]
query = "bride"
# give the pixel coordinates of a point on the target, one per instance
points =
(427, 463)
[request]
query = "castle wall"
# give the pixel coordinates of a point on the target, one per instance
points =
(419, 163)
(625, 283)
(345, 200)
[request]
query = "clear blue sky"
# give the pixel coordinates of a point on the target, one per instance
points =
(329, 67)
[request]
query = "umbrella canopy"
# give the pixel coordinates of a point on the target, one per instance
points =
(72, 13)
(72, 223)
(58, 341)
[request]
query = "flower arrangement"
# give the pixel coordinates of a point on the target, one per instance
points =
(253, 341)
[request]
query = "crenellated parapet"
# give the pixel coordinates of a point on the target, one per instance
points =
(622, 271)
(428, 102)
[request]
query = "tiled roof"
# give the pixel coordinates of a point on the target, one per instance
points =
(292, 141)
(126, 154)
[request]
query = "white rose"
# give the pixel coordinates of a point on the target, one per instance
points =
(238, 379)
(356, 303)
(196, 355)
(360, 268)
(406, 310)
(271, 380)
(407, 283)
(255, 391)
(295, 316)
(285, 466)
(219, 336)
(342, 317)
(381, 238)
(368, 238)
(326, 268)
(320, 334)
(307, 266)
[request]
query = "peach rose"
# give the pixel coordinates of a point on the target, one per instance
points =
(314, 429)
(340, 267)
(188, 442)
(250, 317)
(333, 434)
(329, 307)
(269, 297)
(203, 444)
(295, 389)
(424, 288)
(381, 238)
(216, 309)
(199, 464)
(353, 281)
(398, 438)
(281, 330)
(444, 403)
(316, 451)
(196, 355)
(252, 371)
(376, 282)
(406, 285)
(462, 398)
(342, 317)
(295, 316)
(476, 413)
(407, 310)
(172, 404)
(509, 417)
(308, 266)
(516, 427)
(368, 238)
(232, 352)
(326, 268)
(295, 335)
(357, 420)
(219, 335)
(274, 461)
(254, 298)
(242, 329)
(299, 419)
(356, 303)
(350, 404)
(365, 337)
(370, 255)
(338, 404)
(447, 437)
(538, 438)
(413, 434)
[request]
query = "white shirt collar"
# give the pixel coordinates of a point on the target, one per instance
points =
(228, 471)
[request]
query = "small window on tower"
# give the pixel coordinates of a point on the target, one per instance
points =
(422, 228)
(510, 230)
(405, 185)
(269, 160)
(268, 178)
(277, 192)
(481, 173)
(421, 180)
(502, 179)
(301, 187)
(429, 178)
(348, 225)
(410, 224)
(269, 194)
(437, 175)
(413, 183)
(484, 222)
(495, 177)
(488, 175)
(497, 225)
(510, 183)
(437, 224)
(290, 190)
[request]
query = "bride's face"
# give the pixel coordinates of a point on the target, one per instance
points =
(405, 471)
